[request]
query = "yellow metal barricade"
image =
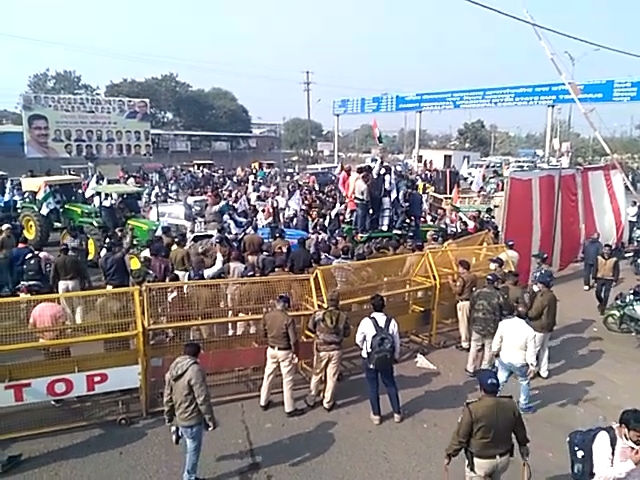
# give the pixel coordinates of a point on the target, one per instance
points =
(224, 316)
(477, 239)
(69, 360)
(444, 262)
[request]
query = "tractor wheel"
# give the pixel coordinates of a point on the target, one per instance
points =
(94, 245)
(35, 228)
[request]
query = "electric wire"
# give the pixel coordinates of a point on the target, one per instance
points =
(553, 30)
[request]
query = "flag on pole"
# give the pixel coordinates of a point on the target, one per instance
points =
(45, 198)
(377, 135)
(91, 187)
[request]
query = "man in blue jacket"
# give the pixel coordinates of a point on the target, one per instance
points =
(591, 249)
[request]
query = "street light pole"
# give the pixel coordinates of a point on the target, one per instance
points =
(574, 60)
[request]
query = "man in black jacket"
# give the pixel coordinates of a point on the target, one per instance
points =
(300, 260)
(114, 266)
(591, 249)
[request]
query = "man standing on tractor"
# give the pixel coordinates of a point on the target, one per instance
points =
(7, 243)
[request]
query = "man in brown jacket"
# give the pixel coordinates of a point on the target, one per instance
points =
(607, 275)
(542, 317)
(187, 404)
(463, 287)
(330, 327)
(251, 247)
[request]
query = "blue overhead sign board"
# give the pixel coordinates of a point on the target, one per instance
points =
(594, 91)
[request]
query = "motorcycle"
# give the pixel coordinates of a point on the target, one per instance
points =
(623, 315)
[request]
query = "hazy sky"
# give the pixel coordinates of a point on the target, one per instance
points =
(258, 50)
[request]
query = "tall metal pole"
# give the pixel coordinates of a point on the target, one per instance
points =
(547, 136)
(418, 128)
(307, 89)
(336, 139)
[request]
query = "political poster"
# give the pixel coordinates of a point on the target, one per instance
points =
(90, 127)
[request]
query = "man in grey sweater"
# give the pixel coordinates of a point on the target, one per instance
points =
(187, 404)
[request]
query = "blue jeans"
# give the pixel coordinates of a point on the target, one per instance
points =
(505, 370)
(362, 217)
(389, 381)
(192, 437)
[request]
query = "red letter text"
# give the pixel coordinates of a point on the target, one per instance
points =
(67, 387)
(95, 379)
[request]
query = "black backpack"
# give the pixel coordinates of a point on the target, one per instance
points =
(383, 346)
(580, 443)
(32, 268)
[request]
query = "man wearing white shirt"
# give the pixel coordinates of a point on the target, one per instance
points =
(515, 345)
(632, 218)
(621, 460)
(510, 257)
(364, 336)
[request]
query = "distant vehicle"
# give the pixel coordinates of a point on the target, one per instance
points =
(321, 167)
(324, 179)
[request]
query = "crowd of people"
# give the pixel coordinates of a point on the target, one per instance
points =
(504, 324)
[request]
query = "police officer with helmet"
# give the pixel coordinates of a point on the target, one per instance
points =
(282, 349)
(485, 432)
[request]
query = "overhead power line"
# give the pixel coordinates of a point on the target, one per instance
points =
(553, 30)
(203, 66)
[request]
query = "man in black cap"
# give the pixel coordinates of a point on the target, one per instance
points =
(486, 309)
(540, 266)
(496, 265)
(485, 430)
(282, 348)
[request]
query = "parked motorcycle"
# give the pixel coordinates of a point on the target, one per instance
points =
(623, 315)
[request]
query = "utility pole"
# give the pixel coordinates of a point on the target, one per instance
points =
(405, 137)
(307, 90)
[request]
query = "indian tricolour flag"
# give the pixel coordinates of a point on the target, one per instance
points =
(45, 198)
(377, 134)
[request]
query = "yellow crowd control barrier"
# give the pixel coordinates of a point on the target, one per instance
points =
(101, 355)
(224, 317)
(78, 350)
(445, 267)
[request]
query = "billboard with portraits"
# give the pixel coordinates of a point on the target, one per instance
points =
(64, 126)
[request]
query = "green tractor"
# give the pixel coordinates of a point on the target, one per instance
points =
(90, 218)
(46, 199)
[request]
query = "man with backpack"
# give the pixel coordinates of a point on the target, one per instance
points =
(379, 339)
(330, 327)
(604, 453)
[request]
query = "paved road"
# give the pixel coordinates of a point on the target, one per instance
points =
(592, 377)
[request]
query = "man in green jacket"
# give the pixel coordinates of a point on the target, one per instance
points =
(542, 317)
(187, 404)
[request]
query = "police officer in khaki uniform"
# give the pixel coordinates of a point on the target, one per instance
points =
(485, 432)
(282, 348)
(463, 287)
(330, 327)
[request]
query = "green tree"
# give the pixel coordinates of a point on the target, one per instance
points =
(9, 117)
(214, 110)
(65, 82)
(474, 136)
(295, 134)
